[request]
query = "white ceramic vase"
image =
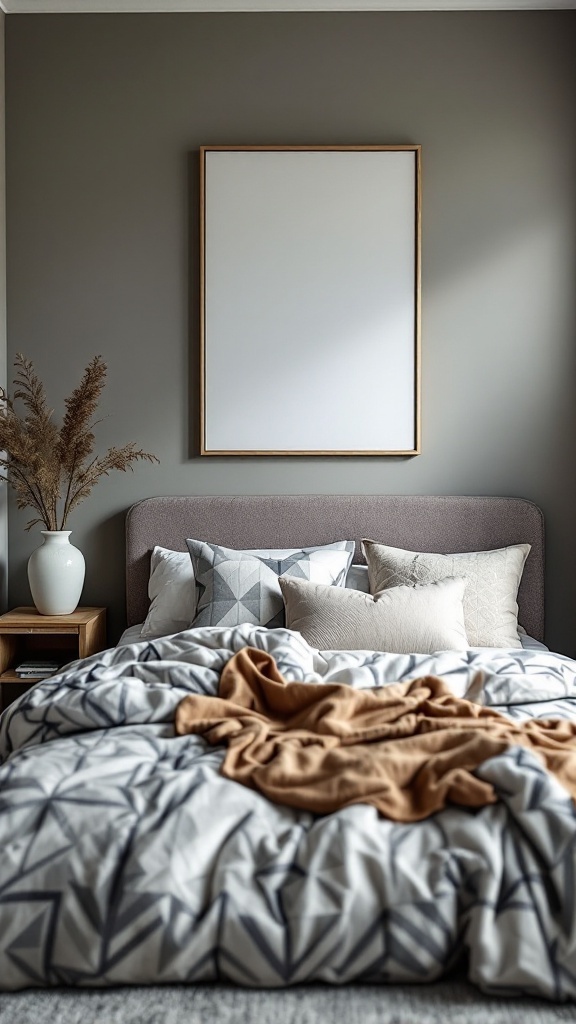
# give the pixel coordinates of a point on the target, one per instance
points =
(56, 574)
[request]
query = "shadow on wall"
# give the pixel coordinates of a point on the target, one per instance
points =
(104, 548)
(4, 548)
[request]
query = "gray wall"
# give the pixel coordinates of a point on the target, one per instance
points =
(3, 494)
(104, 118)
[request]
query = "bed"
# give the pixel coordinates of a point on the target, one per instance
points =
(129, 859)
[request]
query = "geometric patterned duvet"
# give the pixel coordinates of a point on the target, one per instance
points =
(126, 858)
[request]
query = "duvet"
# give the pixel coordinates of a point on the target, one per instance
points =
(127, 858)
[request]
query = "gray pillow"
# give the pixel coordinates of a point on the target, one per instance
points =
(490, 608)
(357, 578)
(242, 586)
(402, 620)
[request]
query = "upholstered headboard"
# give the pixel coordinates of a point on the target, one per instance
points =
(417, 522)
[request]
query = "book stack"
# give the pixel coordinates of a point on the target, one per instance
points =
(40, 669)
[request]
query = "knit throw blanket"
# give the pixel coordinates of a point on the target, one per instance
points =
(408, 749)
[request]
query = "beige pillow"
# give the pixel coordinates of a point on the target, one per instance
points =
(403, 620)
(490, 609)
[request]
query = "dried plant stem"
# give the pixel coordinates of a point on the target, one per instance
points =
(35, 498)
(67, 496)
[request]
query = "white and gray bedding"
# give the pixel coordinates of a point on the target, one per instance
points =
(128, 858)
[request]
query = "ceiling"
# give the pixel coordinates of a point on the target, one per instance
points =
(171, 6)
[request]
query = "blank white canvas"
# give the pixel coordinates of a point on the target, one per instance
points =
(310, 301)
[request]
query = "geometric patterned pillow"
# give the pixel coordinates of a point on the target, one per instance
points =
(490, 608)
(237, 587)
(242, 586)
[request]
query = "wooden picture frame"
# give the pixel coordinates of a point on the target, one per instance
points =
(310, 300)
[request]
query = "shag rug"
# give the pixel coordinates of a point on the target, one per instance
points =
(446, 1002)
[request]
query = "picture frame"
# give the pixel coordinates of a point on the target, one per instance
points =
(310, 282)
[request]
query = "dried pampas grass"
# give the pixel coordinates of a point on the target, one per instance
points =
(52, 470)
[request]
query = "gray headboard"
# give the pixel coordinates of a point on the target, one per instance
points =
(422, 523)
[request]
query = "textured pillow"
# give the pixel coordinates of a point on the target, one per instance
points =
(490, 609)
(172, 592)
(402, 620)
(242, 586)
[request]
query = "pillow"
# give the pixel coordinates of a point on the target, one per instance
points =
(402, 620)
(172, 592)
(357, 579)
(242, 586)
(490, 609)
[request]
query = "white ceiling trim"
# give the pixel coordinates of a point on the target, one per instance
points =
(179, 6)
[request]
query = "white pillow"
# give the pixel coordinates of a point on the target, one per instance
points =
(172, 592)
(490, 608)
(402, 620)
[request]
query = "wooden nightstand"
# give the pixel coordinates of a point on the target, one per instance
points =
(25, 634)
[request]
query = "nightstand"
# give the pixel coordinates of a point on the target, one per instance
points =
(25, 634)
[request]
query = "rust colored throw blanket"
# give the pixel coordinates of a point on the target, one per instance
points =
(407, 748)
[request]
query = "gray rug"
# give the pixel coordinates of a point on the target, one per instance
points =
(447, 1002)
